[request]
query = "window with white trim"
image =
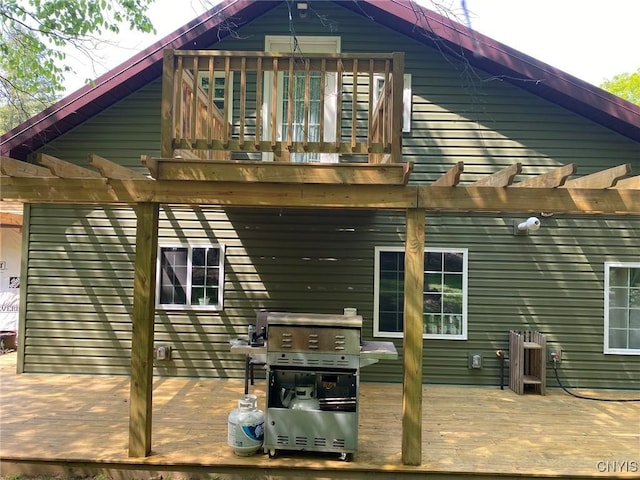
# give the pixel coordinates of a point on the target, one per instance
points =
(445, 293)
(219, 87)
(622, 308)
(190, 277)
(407, 98)
(305, 45)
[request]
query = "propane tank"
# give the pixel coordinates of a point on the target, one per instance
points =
(246, 427)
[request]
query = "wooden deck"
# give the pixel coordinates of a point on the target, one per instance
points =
(78, 425)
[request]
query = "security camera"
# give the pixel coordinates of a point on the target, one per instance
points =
(530, 225)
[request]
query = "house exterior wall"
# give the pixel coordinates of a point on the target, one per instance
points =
(80, 259)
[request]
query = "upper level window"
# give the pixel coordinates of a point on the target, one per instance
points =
(303, 45)
(407, 98)
(622, 308)
(219, 88)
(445, 293)
(191, 276)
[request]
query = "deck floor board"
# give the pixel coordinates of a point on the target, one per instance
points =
(83, 420)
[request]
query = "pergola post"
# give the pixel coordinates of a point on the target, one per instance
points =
(412, 342)
(144, 287)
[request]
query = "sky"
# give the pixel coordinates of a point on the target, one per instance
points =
(590, 39)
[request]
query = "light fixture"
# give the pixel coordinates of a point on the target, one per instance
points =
(303, 8)
(531, 224)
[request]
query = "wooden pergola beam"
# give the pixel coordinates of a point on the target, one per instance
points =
(109, 169)
(502, 178)
(16, 168)
(602, 179)
(461, 198)
(64, 169)
(552, 179)
(112, 191)
(628, 183)
(520, 200)
(275, 172)
(451, 177)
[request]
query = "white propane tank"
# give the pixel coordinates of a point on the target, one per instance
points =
(246, 427)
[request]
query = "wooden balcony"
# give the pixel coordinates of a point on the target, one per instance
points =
(220, 105)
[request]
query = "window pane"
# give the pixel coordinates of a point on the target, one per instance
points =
(452, 324)
(390, 301)
(197, 257)
(618, 297)
(624, 308)
(453, 262)
(618, 277)
(617, 338)
(173, 275)
(433, 261)
(452, 303)
(205, 275)
(453, 283)
(433, 323)
(391, 291)
(213, 257)
(392, 261)
(634, 297)
(390, 321)
(298, 112)
(433, 303)
(433, 282)
(634, 318)
(197, 276)
(618, 318)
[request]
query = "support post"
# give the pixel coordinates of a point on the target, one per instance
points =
(167, 108)
(144, 287)
(413, 322)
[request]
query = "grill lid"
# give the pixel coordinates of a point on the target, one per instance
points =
(314, 319)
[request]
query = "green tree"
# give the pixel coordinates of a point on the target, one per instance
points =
(34, 38)
(625, 85)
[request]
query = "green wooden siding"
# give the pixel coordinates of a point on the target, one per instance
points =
(80, 287)
(80, 259)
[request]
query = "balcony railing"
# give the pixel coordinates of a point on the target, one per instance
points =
(283, 107)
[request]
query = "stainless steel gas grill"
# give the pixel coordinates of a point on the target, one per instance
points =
(313, 373)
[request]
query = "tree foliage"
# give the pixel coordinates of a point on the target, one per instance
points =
(36, 34)
(625, 85)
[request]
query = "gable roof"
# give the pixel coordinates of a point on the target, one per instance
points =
(404, 16)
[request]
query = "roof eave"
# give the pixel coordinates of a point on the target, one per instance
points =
(505, 63)
(124, 79)
(404, 16)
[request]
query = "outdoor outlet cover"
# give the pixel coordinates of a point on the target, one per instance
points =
(475, 360)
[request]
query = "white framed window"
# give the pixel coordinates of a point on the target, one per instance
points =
(622, 308)
(445, 293)
(219, 87)
(306, 45)
(190, 276)
(407, 98)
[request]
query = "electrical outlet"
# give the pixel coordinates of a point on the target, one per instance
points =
(555, 354)
(475, 360)
(163, 352)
